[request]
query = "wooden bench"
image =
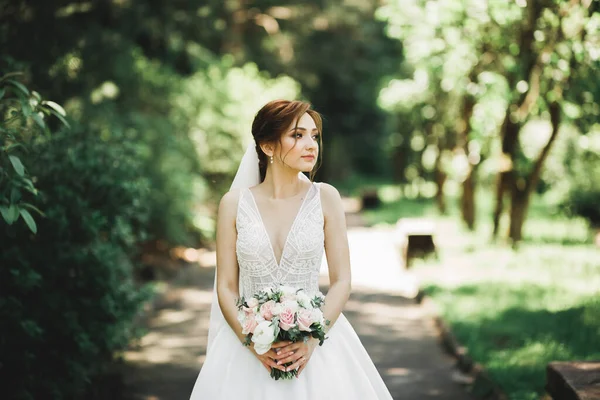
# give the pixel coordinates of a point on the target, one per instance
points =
(370, 198)
(415, 236)
(575, 380)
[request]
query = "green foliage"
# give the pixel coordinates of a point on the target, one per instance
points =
(516, 311)
(67, 295)
(23, 115)
(584, 166)
(220, 102)
(516, 331)
(586, 203)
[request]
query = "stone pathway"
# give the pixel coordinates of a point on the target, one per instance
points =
(396, 332)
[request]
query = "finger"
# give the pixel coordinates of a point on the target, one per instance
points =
(271, 354)
(291, 358)
(272, 364)
(289, 348)
(296, 364)
(278, 345)
(283, 354)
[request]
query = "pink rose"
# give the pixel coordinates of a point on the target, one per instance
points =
(286, 319)
(266, 310)
(305, 320)
(249, 324)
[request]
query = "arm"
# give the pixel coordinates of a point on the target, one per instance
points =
(338, 254)
(227, 266)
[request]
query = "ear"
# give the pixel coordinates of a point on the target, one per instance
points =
(268, 149)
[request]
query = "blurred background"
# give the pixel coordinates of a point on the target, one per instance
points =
(122, 124)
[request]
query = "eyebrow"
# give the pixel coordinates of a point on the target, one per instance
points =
(303, 129)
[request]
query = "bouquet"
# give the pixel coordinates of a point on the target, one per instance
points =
(280, 314)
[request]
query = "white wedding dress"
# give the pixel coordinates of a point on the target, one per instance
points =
(341, 369)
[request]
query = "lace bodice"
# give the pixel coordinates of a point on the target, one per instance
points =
(301, 255)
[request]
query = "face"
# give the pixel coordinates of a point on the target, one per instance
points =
(299, 147)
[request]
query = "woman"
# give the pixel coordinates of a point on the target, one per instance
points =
(272, 228)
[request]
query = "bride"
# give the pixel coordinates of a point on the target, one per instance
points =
(273, 227)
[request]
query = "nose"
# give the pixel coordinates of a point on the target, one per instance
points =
(311, 142)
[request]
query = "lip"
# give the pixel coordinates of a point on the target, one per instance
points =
(309, 157)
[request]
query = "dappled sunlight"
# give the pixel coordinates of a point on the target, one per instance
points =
(518, 310)
(398, 371)
(166, 318)
(376, 262)
(395, 330)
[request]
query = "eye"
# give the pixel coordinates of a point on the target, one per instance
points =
(298, 135)
(316, 137)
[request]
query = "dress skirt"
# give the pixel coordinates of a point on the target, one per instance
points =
(341, 369)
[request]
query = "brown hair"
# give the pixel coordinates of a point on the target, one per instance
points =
(273, 119)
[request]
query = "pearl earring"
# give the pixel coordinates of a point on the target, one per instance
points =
(271, 159)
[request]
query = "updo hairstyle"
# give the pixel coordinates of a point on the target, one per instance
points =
(273, 119)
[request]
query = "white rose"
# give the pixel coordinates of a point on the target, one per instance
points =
(287, 290)
(287, 293)
(263, 337)
(317, 316)
(261, 349)
(252, 302)
(303, 299)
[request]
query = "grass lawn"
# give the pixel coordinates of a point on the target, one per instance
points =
(515, 310)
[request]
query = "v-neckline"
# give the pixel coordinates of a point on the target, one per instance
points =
(287, 237)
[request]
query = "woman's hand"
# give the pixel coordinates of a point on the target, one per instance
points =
(297, 353)
(269, 359)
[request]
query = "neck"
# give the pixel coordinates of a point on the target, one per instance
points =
(282, 183)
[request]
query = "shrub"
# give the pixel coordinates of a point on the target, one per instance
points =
(67, 297)
(587, 205)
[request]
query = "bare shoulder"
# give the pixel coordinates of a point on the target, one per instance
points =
(329, 192)
(330, 198)
(229, 202)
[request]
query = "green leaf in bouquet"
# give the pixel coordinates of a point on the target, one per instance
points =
(277, 330)
(239, 302)
(248, 340)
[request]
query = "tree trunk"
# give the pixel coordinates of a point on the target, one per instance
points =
(521, 197)
(501, 187)
(518, 211)
(234, 38)
(440, 180)
(400, 161)
(512, 123)
(506, 176)
(467, 200)
(467, 203)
